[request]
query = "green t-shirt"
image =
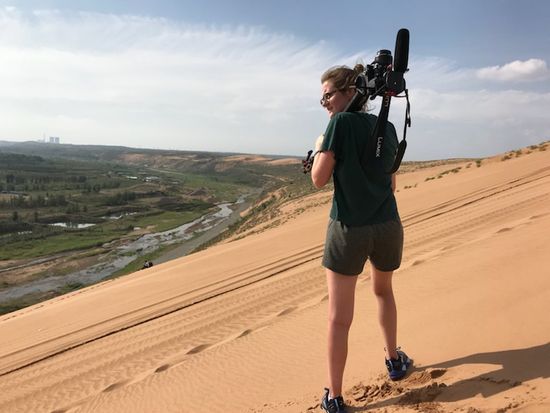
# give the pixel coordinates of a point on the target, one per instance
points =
(362, 193)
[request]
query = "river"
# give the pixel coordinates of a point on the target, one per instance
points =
(193, 234)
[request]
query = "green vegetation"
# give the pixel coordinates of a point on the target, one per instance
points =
(22, 247)
(114, 191)
(64, 207)
(541, 147)
(16, 304)
(512, 154)
(442, 174)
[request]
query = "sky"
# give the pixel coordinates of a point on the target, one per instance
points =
(244, 76)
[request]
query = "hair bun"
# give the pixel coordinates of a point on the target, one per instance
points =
(359, 68)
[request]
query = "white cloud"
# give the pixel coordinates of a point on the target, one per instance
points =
(156, 83)
(189, 85)
(516, 71)
(480, 106)
(453, 115)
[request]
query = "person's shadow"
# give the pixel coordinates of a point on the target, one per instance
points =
(514, 367)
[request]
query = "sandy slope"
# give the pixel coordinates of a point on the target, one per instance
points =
(241, 326)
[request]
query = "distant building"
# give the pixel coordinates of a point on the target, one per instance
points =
(54, 139)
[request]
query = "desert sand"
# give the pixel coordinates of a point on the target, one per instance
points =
(241, 326)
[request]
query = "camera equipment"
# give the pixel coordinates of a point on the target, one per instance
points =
(381, 78)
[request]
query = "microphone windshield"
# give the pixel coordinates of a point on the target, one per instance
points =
(401, 59)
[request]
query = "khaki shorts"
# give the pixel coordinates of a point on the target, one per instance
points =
(347, 249)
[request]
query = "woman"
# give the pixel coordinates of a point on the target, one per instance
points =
(364, 224)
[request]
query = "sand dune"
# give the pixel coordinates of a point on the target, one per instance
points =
(241, 326)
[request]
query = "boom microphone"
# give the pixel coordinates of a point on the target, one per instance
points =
(401, 59)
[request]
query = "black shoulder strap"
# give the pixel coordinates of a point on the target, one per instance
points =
(374, 146)
(403, 144)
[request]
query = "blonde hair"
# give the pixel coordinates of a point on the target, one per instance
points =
(343, 77)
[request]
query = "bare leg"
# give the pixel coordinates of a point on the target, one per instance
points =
(387, 311)
(341, 292)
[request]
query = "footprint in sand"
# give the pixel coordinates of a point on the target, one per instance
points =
(506, 229)
(287, 311)
(245, 333)
(422, 377)
(198, 349)
(162, 368)
(115, 386)
(423, 394)
(434, 374)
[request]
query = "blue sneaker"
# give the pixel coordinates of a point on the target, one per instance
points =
(335, 405)
(397, 368)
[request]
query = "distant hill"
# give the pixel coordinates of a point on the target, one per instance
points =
(181, 160)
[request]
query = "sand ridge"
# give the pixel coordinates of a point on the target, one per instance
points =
(241, 326)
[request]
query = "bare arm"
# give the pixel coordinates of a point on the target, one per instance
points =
(323, 166)
(393, 182)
